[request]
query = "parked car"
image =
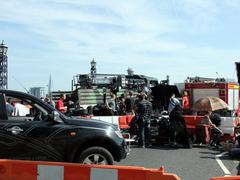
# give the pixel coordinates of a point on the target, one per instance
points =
(37, 131)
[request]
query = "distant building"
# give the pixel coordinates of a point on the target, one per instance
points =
(37, 91)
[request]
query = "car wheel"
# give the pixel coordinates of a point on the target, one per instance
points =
(95, 155)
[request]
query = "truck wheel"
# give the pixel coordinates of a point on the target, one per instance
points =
(95, 155)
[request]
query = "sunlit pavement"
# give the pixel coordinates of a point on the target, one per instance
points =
(198, 163)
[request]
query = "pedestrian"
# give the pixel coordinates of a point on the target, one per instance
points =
(121, 110)
(112, 103)
(129, 102)
(144, 112)
(177, 128)
(10, 108)
(60, 104)
(21, 109)
(173, 101)
(49, 101)
(208, 119)
(185, 103)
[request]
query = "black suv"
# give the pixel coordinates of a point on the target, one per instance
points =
(31, 129)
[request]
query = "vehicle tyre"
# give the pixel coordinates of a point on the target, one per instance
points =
(95, 155)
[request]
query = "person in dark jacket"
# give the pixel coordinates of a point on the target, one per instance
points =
(178, 132)
(216, 132)
(10, 108)
(129, 103)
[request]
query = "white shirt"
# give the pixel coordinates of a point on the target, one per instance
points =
(21, 110)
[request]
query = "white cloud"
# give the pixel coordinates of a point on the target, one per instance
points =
(134, 33)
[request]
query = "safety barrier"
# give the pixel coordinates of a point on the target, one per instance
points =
(192, 121)
(35, 170)
(122, 121)
(226, 178)
(227, 123)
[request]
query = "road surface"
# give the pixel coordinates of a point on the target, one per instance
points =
(199, 163)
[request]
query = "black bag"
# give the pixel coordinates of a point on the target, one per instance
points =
(216, 119)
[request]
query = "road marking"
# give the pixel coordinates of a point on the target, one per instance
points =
(223, 167)
(227, 175)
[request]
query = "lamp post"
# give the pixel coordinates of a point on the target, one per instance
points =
(3, 66)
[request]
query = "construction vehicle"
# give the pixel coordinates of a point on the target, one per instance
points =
(90, 93)
(89, 90)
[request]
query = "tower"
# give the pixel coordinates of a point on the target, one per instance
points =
(93, 70)
(3, 66)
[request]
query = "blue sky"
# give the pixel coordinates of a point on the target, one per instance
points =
(179, 38)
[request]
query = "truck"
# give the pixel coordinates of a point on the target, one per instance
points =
(89, 90)
(198, 87)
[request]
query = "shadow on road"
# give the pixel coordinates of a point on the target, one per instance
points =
(160, 147)
(212, 153)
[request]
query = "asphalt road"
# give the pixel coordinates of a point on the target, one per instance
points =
(198, 163)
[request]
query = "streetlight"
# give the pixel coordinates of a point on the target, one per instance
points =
(3, 66)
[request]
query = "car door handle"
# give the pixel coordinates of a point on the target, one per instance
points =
(15, 130)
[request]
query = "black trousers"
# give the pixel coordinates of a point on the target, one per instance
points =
(144, 132)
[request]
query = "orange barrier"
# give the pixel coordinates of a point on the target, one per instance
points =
(202, 132)
(192, 121)
(199, 119)
(88, 117)
(123, 123)
(130, 118)
(226, 178)
(35, 170)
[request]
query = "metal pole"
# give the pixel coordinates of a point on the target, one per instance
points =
(3, 66)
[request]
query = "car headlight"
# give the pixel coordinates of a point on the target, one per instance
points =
(119, 134)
